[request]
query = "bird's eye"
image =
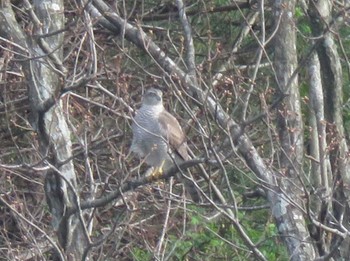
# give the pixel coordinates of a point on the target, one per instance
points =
(155, 95)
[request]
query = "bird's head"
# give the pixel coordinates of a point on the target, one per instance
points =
(153, 97)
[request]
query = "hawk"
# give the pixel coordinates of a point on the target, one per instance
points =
(158, 137)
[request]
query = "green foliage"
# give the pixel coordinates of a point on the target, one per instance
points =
(298, 12)
(305, 28)
(141, 254)
(303, 22)
(218, 239)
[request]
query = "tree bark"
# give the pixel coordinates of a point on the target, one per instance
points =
(290, 219)
(331, 71)
(41, 62)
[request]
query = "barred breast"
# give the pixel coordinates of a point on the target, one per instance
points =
(147, 140)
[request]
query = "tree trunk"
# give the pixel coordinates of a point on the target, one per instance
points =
(331, 72)
(290, 219)
(44, 73)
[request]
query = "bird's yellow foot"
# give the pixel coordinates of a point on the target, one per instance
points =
(157, 172)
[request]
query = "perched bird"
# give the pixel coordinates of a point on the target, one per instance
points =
(158, 137)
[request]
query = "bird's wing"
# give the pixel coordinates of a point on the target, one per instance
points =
(171, 130)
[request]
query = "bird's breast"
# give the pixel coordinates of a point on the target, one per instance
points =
(147, 133)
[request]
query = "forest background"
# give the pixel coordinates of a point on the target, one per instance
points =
(261, 89)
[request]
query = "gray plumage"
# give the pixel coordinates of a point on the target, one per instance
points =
(158, 137)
